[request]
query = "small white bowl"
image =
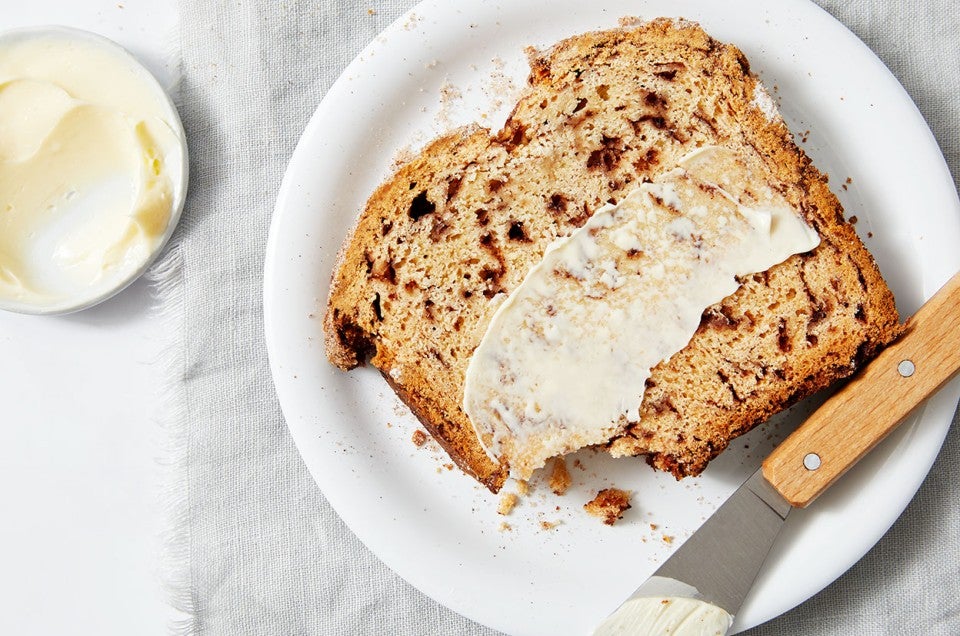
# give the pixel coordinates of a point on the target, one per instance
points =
(177, 171)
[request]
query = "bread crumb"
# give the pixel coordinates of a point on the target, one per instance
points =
(523, 488)
(371, 12)
(654, 526)
(667, 539)
(853, 219)
(448, 466)
(549, 525)
(507, 502)
(609, 505)
(559, 477)
(419, 438)
(505, 527)
(628, 21)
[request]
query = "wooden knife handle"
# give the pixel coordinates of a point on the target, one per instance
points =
(871, 405)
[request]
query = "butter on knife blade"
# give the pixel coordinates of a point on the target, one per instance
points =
(676, 611)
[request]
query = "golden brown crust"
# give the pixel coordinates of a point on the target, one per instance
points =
(464, 221)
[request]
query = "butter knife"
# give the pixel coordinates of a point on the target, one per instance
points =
(701, 587)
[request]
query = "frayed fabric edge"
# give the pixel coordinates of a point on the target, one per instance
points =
(166, 282)
(165, 278)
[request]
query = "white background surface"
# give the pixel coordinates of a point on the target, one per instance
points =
(79, 442)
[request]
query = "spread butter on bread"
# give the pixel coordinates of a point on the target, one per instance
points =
(565, 359)
(453, 232)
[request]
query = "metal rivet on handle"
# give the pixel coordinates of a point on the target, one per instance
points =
(811, 461)
(906, 368)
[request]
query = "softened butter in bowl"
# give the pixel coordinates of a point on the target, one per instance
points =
(93, 169)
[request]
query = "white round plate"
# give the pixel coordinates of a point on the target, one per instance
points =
(446, 64)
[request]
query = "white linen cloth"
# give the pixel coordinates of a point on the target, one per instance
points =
(254, 547)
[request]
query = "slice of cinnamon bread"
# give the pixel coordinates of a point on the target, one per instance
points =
(459, 226)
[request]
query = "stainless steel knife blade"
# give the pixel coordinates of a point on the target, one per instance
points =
(735, 540)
